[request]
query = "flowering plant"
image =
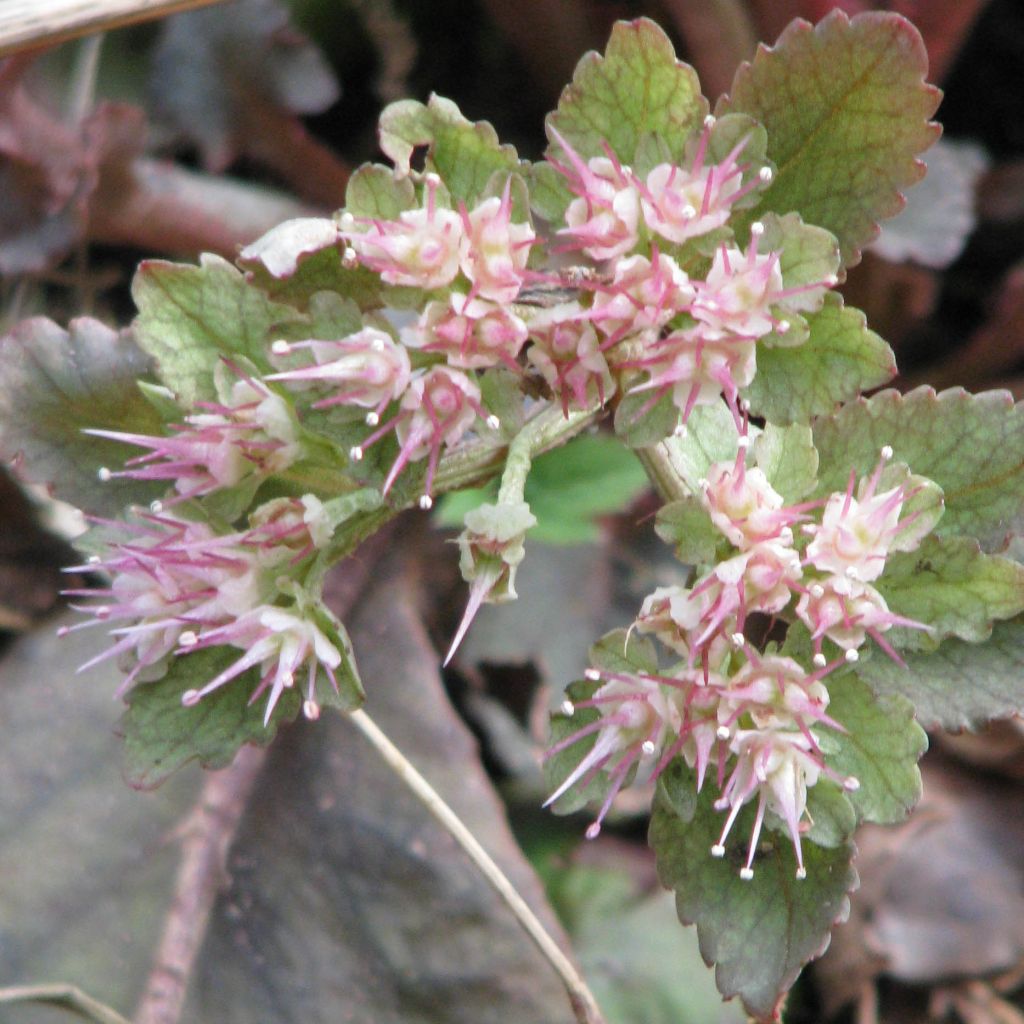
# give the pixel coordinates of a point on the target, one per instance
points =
(669, 271)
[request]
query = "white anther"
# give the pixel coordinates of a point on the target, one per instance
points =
(745, 405)
(355, 453)
(190, 698)
(680, 430)
(280, 347)
(809, 528)
(593, 831)
(817, 591)
(372, 419)
(851, 573)
(103, 474)
(743, 441)
(311, 710)
(710, 121)
(718, 850)
(63, 631)
(722, 732)
(737, 639)
(347, 221)
(94, 559)
(592, 674)
(426, 502)
(568, 708)
(851, 656)
(156, 507)
(647, 748)
(688, 212)
(349, 258)
(886, 452)
(288, 678)
(378, 345)
(766, 174)
(493, 422)
(757, 229)
(188, 638)
(831, 280)
(703, 484)
(801, 873)
(432, 179)
(102, 612)
(851, 784)
(783, 328)
(820, 661)
(746, 874)
(626, 171)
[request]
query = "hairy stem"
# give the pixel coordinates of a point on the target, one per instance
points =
(68, 997)
(582, 999)
(207, 837)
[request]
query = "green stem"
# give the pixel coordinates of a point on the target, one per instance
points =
(582, 999)
(70, 997)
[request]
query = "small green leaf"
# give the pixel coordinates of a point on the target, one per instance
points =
(972, 446)
(161, 734)
(622, 651)
(840, 359)
(788, 458)
(376, 191)
(961, 685)
(710, 437)
(760, 932)
(846, 109)
(465, 154)
(56, 383)
(832, 815)
(686, 525)
(880, 749)
(637, 88)
(640, 421)
(808, 255)
(192, 317)
(951, 586)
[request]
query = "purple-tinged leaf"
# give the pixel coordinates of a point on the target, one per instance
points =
(54, 383)
(847, 112)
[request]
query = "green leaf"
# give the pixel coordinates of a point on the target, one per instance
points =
(950, 585)
(465, 154)
(880, 749)
(788, 458)
(161, 734)
(686, 525)
(622, 651)
(761, 932)
(846, 109)
(640, 423)
(808, 255)
(192, 317)
(972, 446)
(55, 383)
(710, 437)
(840, 359)
(961, 685)
(638, 87)
(832, 815)
(376, 191)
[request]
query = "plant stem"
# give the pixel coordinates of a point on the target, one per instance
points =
(207, 837)
(70, 997)
(657, 461)
(584, 1004)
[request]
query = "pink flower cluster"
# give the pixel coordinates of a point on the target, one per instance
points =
(725, 705)
(178, 587)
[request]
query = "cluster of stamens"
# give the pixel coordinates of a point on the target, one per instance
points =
(750, 718)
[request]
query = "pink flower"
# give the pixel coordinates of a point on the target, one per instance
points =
(604, 219)
(220, 447)
(567, 353)
(420, 249)
(638, 714)
(368, 369)
(681, 204)
(435, 412)
(473, 334)
(281, 643)
(644, 295)
(494, 250)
